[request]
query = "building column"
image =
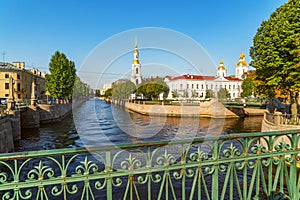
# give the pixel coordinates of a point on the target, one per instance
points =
(11, 100)
(33, 97)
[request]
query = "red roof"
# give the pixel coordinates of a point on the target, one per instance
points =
(233, 79)
(198, 77)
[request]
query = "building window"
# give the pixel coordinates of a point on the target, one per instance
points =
(181, 86)
(197, 86)
(137, 81)
(211, 86)
(192, 86)
(229, 87)
(18, 76)
(233, 86)
(207, 87)
(6, 86)
(6, 95)
(19, 87)
(19, 96)
(233, 94)
(220, 86)
(6, 75)
(187, 86)
(202, 86)
(136, 70)
(225, 86)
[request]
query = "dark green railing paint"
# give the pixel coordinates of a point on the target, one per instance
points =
(236, 166)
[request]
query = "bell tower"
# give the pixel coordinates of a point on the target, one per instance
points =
(241, 66)
(136, 77)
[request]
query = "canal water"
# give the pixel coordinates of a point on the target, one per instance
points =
(98, 123)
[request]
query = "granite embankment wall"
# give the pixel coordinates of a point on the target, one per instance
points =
(213, 109)
(6, 136)
(33, 116)
(10, 130)
(30, 117)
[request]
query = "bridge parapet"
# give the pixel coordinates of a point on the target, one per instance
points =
(235, 166)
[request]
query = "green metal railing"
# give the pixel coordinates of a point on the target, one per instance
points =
(236, 166)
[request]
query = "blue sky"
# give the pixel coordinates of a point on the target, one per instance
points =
(33, 30)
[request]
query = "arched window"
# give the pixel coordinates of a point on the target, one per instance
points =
(136, 70)
(137, 81)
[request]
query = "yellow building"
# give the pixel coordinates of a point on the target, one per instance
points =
(22, 82)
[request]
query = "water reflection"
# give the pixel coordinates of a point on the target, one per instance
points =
(99, 123)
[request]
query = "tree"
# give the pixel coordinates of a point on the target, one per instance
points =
(175, 94)
(60, 81)
(249, 84)
(194, 94)
(209, 94)
(276, 52)
(223, 93)
(152, 88)
(123, 90)
(185, 93)
(108, 93)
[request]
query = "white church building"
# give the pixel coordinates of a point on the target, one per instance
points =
(195, 86)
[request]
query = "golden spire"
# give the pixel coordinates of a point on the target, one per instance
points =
(136, 52)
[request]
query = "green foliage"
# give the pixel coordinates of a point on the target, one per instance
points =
(97, 93)
(80, 89)
(123, 90)
(248, 87)
(276, 51)
(108, 93)
(152, 88)
(185, 94)
(223, 93)
(175, 94)
(194, 94)
(209, 94)
(60, 81)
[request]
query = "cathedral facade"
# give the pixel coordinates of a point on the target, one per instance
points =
(195, 86)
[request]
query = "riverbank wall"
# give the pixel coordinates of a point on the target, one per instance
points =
(33, 116)
(6, 135)
(212, 109)
(10, 131)
(11, 125)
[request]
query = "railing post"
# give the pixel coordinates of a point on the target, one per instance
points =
(277, 116)
(215, 175)
(109, 180)
(293, 170)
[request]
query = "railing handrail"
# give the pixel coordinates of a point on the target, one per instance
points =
(51, 152)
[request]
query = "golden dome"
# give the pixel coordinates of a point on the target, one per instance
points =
(136, 62)
(242, 62)
(221, 66)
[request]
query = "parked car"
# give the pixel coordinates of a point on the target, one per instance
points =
(3, 101)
